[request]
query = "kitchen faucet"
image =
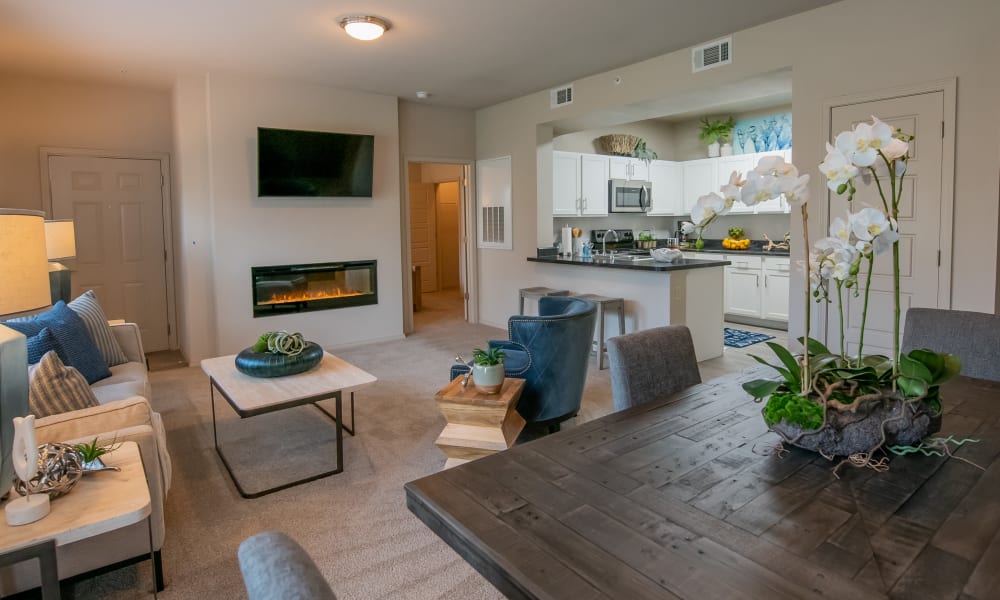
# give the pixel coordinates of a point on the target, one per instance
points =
(604, 241)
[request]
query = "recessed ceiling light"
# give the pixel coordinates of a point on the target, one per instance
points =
(364, 27)
(422, 95)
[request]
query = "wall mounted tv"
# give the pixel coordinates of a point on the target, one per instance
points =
(314, 163)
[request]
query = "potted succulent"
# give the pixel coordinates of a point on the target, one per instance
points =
(90, 455)
(714, 131)
(487, 369)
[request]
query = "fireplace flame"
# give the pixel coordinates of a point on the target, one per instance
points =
(305, 296)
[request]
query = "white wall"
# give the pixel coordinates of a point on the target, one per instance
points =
(922, 40)
(244, 230)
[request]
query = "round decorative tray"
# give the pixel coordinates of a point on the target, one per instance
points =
(266, 364)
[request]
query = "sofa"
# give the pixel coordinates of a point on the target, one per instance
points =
(124, 413)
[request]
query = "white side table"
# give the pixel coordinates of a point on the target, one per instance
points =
(100, 503)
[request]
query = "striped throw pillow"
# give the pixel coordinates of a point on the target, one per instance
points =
(96, 322)
(56, 388)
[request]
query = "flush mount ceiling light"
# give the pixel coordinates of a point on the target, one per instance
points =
(364, 27)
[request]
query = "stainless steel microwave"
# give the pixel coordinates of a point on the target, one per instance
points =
(629, 196)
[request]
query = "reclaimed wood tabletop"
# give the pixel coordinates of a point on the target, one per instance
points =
(687, 498)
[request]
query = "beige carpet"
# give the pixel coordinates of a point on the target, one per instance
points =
(355, 524)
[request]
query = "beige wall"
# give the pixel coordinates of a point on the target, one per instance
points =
(428, 132)
(659, 138)
(43, 112)
(244, 230)
(687, 146)
(920, 40)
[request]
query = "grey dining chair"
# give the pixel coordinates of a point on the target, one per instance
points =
(275, 567)
(651, 364)
(973, 337)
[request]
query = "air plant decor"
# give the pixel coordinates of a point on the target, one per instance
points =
(278, 354)
(834, 402)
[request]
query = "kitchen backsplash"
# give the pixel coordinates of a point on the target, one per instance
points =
(754, 226)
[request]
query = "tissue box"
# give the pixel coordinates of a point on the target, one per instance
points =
(547, 252)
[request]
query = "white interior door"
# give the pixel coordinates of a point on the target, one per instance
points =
(423, 245)
(920, 215)
(117, 208)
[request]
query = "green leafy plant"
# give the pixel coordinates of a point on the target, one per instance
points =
(646, 236)
(713, 130)
(488, 357)
(792, 408)
(642, 152)
(94, 450)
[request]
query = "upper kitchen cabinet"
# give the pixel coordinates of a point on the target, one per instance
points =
(700, 178)
(667, 179)
(740, 163)
(579, 184)
(633, 169)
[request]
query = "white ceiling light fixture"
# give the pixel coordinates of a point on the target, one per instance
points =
(364, 27)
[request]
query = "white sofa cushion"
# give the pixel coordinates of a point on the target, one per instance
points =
(128, 379)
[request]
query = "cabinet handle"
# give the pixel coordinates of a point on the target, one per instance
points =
(765, 279)
(757, 280)
(584, 203)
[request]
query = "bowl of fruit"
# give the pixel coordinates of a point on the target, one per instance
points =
(736, 241)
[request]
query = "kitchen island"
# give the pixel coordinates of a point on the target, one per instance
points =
(685, 292)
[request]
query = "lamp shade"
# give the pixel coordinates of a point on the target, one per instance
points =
(60, 239)
(24, 270)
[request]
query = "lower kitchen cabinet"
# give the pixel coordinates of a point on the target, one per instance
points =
(757, 287)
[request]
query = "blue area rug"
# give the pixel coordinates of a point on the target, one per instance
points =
(737, 338)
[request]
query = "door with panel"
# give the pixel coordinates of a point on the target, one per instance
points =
(117, 208)
(920, 214)
(423, 238)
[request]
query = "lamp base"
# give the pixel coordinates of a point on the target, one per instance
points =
(59, 282)
(27, 509)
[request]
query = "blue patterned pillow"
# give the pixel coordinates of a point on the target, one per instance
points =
(39, 345)
(73, 344)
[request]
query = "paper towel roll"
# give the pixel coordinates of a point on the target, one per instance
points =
(567, 241)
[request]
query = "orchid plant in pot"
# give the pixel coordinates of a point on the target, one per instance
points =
(834, 402)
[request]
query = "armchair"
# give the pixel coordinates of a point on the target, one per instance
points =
(550, 351)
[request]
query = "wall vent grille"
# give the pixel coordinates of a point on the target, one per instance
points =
(561, 96)
(714, 54)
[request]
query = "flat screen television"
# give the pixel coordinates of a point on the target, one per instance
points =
(314, 163)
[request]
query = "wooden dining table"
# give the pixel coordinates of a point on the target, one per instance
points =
(690, 497)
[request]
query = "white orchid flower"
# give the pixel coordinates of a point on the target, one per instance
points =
(776, 165)
(883, 242)
(795, 189)
(758, 188)
(896, 148)
(707, 208)
(731, 190)
(687, 227)
(861, 146)
(837, 168)
(869, 223)
(840, 229)
(864, 248)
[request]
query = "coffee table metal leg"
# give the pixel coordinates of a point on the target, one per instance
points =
(350, 429)
(340, 451)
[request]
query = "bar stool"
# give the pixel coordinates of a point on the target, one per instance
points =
(604, 304)
(536, 293)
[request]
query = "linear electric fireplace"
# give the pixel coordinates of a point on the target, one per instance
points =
(284, 289)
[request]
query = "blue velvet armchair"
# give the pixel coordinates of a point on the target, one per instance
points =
(551, 352)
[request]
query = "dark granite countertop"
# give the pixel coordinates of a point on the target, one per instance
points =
(680, 264)
(756, 248)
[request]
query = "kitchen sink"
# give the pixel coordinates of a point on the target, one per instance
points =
(626, 256)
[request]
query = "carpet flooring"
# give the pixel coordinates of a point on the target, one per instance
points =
(355, 525)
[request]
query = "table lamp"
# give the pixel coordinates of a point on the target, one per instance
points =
(24, 288)
(60, 244)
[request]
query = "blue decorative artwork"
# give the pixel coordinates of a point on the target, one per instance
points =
(761, 134)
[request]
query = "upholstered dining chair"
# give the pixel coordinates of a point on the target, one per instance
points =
(275, 567)
(651, 364)
(971, 336)
(550, 352)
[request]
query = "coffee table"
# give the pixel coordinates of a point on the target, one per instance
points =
(99, 503)
(251, 396)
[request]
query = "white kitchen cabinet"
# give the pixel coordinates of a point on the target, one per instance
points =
(700, 178)
(667, 178)
(774, 298)
(625, 167)
(593, 185)
(743, 286)
(565, 183)
(579, 184)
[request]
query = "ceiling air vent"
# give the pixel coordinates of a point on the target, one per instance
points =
(561, 96)
(711, 55)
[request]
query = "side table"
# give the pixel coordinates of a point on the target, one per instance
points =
(478, 424)
(99, 503)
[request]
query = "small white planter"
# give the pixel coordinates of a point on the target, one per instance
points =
(726, 150)
(713, 149)
(488, 378)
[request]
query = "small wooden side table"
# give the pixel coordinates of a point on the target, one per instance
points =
(478, 424)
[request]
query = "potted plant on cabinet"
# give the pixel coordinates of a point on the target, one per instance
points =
(487, 369)
(714, 131)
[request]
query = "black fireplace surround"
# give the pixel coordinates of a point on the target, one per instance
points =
(285, 289)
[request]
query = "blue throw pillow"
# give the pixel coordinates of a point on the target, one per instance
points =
(39, 345)
(73, 343)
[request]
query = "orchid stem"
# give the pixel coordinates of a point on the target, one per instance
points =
(806, 375)
(864, 310)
